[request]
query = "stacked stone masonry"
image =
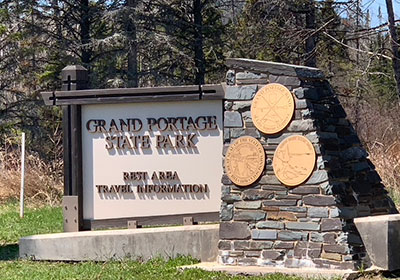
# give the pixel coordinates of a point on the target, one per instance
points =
(309, 225)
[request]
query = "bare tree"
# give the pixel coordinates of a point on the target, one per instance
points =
(394, 42)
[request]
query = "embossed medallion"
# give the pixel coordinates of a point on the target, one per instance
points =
(245, 161)
(294, 160)
(272, 108)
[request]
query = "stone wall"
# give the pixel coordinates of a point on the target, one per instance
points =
(311, 225)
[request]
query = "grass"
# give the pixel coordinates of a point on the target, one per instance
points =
(36, 220)
(154, 269)
(47, 219)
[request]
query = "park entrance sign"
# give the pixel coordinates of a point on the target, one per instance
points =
(151, 159)
(139, 156)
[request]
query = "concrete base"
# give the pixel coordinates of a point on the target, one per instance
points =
(381, 237)
(262, 270)
(198, 241)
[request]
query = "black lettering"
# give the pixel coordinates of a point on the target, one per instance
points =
(179, 141)
(189, 140)
(109, 141)
(88, 126)
(150, 123)
(201, 125)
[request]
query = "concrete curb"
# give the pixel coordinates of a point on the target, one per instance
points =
(263, 270)
(198, 241)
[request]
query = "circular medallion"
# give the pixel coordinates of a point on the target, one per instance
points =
(272, 108)
(294, 160)
(244, 161)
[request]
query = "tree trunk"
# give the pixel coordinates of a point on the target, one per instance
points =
(311, 59)
(85, 33)
(198, 42)
(133, 77)
(394, 44)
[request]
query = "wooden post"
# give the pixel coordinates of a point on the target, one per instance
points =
(74, 77)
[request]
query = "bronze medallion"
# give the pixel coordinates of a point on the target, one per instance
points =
(272, 108)
(245, 161)
(294, 160)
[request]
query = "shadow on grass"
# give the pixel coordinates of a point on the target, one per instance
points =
(391, 275)
(9, 252)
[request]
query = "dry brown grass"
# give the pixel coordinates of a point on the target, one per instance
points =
(379, 129)
(43, 181)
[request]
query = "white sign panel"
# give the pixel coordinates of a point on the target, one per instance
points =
(151, 159)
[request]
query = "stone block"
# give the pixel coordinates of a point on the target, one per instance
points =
(230, 77)
(317, 212)
(257, 194)
(250, 76)
(269, 180)
(227, 135)
(269, 225)
(331, 256)
(225, 180)
(275, 68)
(248, 205)
(241, 245)
(235, 230)
(300, 250)
(308, 93)
(237, 132)
(226, 213)
(302, 226)
(287, 196)
(316, 237)
(273, 254)
(240, 92)
(293, 209)
(283, 202)
(339, 249)
(277, 139)
(263, 234)
(254, 254)
(330, 238)
(305, 190)
(253, 132)
(381, 237)
(260, 245)
(314, 250)
(283, 245)
(292, 235)
(225, 245)
(248, 215)
(232, 119)
(319, 200)
(353, 153)
(331, 224)
(317, 177)
(273, 188)
(281, 215)
(302, 104)
(247, 261)
(231, 198)
(301, 126)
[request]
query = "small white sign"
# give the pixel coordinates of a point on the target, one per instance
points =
(151, 159)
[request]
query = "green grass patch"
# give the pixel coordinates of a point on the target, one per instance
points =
(154, 269)
(46, 219)
(36, 221)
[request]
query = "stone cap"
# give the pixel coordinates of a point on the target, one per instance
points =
(382, 218)
(274, 68)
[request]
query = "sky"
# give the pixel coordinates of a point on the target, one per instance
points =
(373, 6)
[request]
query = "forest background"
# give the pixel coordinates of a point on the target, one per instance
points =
(134, 43)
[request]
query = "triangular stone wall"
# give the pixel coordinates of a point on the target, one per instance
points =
(310, 225)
